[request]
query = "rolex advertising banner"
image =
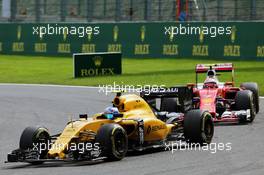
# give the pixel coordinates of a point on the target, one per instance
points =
(240, 40)
(98, 64)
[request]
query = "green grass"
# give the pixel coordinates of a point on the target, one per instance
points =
(58, 70)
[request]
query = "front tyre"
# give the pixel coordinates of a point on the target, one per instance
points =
(35, 139)
(113, 141)
(253, 87)
(244, 100)
(198, 127)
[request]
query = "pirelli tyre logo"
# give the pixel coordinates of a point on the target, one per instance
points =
(96, 64)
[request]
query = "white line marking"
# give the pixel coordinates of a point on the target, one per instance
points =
(49, 85)
(62, 86)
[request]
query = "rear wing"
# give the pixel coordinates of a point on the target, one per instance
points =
(177, 91)
(183, 94)
(218, 67)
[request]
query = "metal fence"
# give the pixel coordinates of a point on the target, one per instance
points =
(131, 10)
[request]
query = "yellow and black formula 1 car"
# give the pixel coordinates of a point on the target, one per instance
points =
(133, 123)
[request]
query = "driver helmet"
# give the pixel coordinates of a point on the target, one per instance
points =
(109, 112)
(211, 78)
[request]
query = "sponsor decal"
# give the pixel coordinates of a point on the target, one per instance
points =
(155, 128)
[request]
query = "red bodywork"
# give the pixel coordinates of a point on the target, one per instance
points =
(208, 98)
(216, 97)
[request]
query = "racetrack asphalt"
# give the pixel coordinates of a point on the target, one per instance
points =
(22, 106)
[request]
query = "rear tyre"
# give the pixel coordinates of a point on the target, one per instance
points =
(113, 141)
(34, 137)
(255, 90)
(244, 101)
(198, 127)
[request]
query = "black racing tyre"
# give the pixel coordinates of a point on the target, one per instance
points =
(169, 105)
(255, 90)
(198, 127)
(113, 141)
(32, 138)
(243, 101)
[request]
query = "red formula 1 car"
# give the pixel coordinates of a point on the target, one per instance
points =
(223, 100)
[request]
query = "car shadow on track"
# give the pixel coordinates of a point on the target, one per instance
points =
(76, 163)
(52, 164)
(232, 124)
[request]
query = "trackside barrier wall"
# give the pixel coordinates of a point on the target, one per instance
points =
(139, 40)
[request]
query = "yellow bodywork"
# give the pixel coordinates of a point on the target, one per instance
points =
(132, 107)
